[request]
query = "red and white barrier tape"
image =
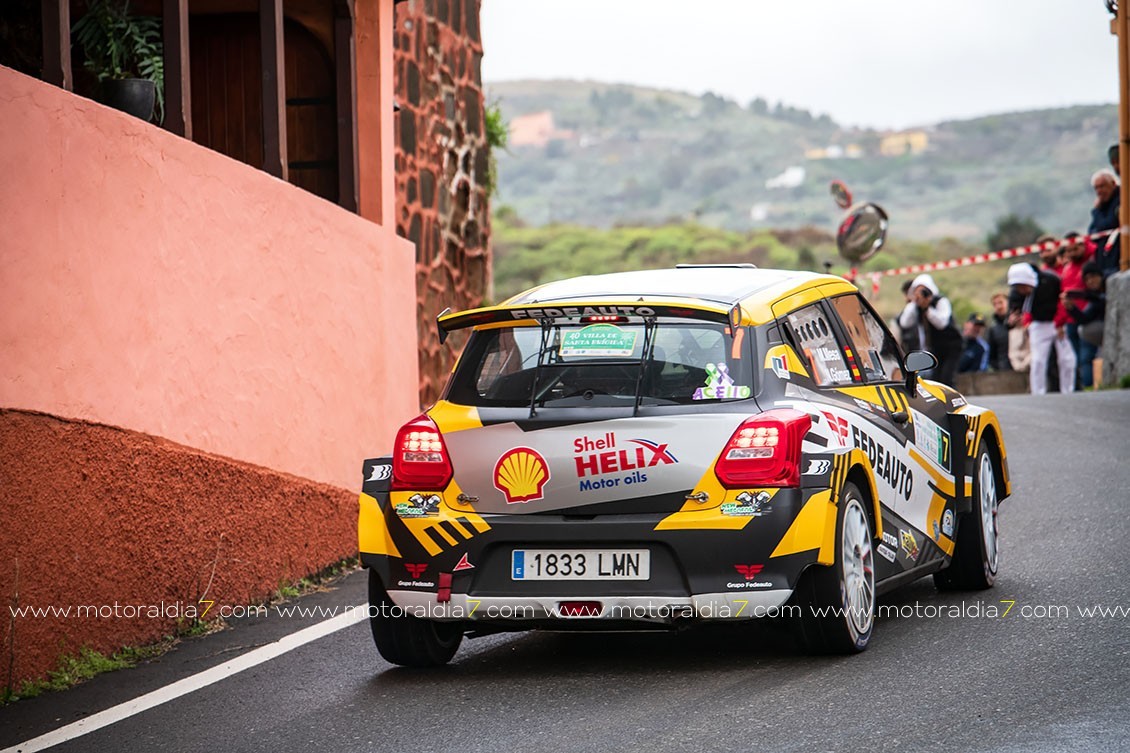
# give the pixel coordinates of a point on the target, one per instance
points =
(1008, 253)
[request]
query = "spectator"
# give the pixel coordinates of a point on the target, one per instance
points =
(1049, 253)
(1087, 309)
(975, 355)
(1076, 255)
(910, 338)
(1034, 302)
(930, 310)
(998, 334)
(1104, 216)
(1112, 155)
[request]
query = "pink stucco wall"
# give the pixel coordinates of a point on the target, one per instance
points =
(151, 284)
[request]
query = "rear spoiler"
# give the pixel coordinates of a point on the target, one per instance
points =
(448, 322)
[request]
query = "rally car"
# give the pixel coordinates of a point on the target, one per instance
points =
(667, 447)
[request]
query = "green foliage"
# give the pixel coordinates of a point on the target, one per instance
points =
(71, 671)
(1012, 231)
(118, 45)
(497, 132)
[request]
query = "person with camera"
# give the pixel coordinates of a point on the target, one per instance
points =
(929, 309)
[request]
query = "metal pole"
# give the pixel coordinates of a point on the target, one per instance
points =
(1123, 30)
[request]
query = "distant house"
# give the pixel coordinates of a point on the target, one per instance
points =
(792, 177)
(905, 142)
(536, 129)
(834, 151)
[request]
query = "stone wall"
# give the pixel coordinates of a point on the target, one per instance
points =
(441, 168)
(1116, 330)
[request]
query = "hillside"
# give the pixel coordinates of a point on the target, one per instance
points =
(609, 155)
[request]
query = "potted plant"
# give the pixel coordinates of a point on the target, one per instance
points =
(125, 53)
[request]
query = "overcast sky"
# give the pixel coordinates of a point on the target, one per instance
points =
(880, 63)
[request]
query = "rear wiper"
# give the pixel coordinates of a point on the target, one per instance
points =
(646, 355)
(546, 329)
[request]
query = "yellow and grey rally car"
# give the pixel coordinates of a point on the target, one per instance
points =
(660, 448)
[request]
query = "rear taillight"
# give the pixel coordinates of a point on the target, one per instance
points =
(420, 461)
(764, 450)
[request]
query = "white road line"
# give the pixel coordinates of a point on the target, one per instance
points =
(114, 714)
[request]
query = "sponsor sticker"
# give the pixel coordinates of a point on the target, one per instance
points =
(463, 564)
(781, 366)
(603, 462)
(886, 552)
(521, 474)
(720, 385)
(947, 523)
(909, 544)
(748, 505)
(419, 506)
(839, 427)
(380, 472)
(574, 311)
(932, 440)
(749, 572)
(818, 467)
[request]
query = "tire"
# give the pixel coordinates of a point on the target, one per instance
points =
(976, 551)
(406, 640)
(838, 602)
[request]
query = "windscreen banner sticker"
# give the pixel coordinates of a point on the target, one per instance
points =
(932, 440)
(606, 340)
(720, 385)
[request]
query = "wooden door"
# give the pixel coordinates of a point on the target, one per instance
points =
(227, 98)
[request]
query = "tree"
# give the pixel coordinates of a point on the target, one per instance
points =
(1012, 231)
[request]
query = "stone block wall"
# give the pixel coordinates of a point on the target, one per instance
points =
(442, 162)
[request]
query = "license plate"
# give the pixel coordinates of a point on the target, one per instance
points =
(580, 564)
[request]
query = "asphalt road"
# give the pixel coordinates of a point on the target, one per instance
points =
(1043, 678)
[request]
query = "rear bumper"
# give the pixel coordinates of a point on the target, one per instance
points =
(454, 564)
(648, 609)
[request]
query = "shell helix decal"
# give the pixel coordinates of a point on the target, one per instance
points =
(521, 474)
(602, 463)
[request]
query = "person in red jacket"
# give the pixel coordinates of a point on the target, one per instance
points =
(1034, 302)
(1075, 254)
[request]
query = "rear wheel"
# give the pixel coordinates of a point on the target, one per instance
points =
(407, 640)
(976, 549)
(838, 603)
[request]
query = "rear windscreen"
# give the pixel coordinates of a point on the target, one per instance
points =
(677, 362)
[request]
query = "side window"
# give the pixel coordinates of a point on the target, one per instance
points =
(875, 350)
(818, 346)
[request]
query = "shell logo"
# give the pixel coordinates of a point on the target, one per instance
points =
(520, 474)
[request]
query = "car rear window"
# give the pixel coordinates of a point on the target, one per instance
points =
(603, 364)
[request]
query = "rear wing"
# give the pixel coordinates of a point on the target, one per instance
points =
(448, 322)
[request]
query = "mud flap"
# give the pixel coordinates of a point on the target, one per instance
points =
(961, 462)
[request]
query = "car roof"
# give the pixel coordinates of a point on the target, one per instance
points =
(724, 285)
(696, 291)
